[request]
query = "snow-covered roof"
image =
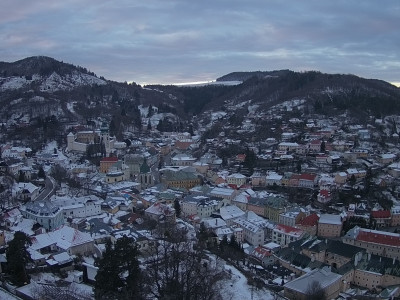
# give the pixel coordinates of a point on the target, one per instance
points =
(330, 219)
(65, 238)
(230, 212)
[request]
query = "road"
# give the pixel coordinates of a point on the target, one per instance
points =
(48, 190)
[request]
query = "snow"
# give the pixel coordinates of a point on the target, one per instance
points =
(55, 82)
(237, 288)
(218, 114)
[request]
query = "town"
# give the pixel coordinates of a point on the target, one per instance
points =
(243, 200)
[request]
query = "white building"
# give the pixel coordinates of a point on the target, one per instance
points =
(283, 235)
(81, 207)
(252, 233)
(236, 179)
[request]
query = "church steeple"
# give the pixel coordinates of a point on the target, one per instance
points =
(144, 168)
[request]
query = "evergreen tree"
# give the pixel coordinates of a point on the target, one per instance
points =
(17, 258)
(323, 147)
(21, 177)
(119, 275)
(150, 112)
(41, 173)
(177, 207)
(149, 125)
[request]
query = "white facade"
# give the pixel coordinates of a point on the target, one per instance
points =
(253, 234)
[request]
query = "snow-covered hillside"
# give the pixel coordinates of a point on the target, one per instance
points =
(51, 83)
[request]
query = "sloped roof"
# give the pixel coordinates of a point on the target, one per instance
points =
(378, 237)
(323, 276)
(65, 238)
(311, 220)
(380, 214)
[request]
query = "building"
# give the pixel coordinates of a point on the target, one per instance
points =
(252, 233)
(374, 272)
(182, 160)
(81, 207)
(199, 205)
(395, 212)
(274, 206)
(382, 218)
(292, 217)
(45, 213)
(106, 163)
(67, 239)
(180, 179)
(161, 213)
(236, 179)
(376, 242)
(299, 288)
(330, 226)
(80, 141)
(262, 256)
(309, 224)
(283, 235)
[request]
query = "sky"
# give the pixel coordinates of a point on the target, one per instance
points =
(176, 41)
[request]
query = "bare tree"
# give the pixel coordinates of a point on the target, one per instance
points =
(180, 270)
(65, 291)
(315, 291)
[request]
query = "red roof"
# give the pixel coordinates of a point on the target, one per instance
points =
(306, 176)
(380, 214)
(241, 157)
(260, 252)
(109, 159)
(378, 238)
(182, 145)
(324, 193)
(288, 229)
(315, 142)
(311, 220)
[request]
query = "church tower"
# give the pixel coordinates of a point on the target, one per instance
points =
(145, 176)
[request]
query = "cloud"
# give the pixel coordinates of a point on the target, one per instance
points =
(178, 40)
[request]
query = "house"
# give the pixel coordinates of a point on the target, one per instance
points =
(324, 196)
(106, 163)
(387, 158)
(63, 239)
(182, 160)
(80, 207)
(376, 242)
(273, 178)
(299, 288)
(229, 213)
(262, 256)
(286, 146)
(241, 201)
(199, 205)
(309, 224)
(224, 193)
(329, 225)
(382, 218)
(257, 179)
(291, 217)
(252, 233)
(45, 213)
(161, 213)
(180, 179)
(274, 206)
(236, 179)
(395, 212)
(283, 234)
(144, 244)
(341, 178)
(307, 180)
